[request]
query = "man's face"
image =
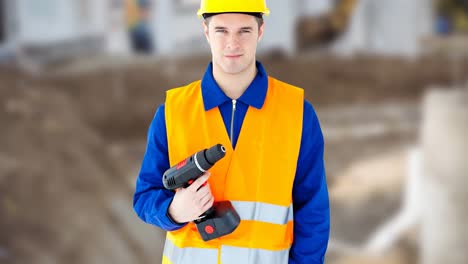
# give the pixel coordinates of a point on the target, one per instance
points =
(233, 40)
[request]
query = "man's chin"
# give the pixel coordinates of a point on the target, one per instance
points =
(233, 68)
(233, 71)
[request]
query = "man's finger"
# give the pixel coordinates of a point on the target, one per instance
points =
(199, 182)
(208, 204)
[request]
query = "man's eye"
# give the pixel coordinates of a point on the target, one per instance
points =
(245, 31)
(221, 30)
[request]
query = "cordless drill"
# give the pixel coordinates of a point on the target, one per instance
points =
(221, 219)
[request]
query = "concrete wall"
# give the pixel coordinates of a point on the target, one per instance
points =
(177, 29)
(50, 21)
(444, 136)
(315, 7)
(387, 27)
(8, 22)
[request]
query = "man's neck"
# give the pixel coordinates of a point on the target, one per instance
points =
(234, 85)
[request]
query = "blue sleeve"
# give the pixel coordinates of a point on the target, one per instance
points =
(310, 196)
(151, 200)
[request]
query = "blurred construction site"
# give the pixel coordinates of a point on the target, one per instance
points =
(80, 81)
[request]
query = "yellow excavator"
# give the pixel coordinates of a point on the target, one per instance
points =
(315, 31)
(454, 11)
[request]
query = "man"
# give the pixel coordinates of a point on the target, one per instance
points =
(273, 171)
(137, 15)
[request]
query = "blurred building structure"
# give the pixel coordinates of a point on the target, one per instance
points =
(444, 145)
(344, 27)
(52, 29)
(6, 27)
(387, 28)
(367, 26)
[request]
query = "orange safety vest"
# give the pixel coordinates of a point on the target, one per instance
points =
(257, 177)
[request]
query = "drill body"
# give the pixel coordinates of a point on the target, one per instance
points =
(222, 218)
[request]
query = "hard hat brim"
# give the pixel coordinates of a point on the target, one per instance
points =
(200, 12)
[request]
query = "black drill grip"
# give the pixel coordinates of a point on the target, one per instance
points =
(191, 168)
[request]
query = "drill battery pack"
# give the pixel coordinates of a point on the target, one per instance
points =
(220, 220)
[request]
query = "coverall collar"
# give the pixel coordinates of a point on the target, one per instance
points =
(254, 95)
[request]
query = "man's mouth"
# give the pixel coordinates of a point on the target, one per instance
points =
(233, 56)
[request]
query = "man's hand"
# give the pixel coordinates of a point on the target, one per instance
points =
(188, 204)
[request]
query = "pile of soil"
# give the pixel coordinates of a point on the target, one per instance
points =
(72, 141)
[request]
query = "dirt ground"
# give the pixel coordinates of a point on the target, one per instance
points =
(71, 143)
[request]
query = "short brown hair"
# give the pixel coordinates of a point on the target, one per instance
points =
(259, 18)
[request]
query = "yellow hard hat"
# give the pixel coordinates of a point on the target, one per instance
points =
(228, 6)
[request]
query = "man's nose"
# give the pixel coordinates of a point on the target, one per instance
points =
(233, 41)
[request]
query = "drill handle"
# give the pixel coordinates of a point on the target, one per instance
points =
(208, 214)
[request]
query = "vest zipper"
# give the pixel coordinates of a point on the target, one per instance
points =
(232, 121)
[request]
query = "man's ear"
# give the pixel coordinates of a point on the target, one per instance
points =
(206, 30)
(261, 29)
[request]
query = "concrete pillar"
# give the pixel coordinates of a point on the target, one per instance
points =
(444, 236)
(163, 25)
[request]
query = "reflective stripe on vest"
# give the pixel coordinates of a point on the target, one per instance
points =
(237, 255)
(176, 255)
(248, 211)
(258, 222)
(264, 212)
(229, 255)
